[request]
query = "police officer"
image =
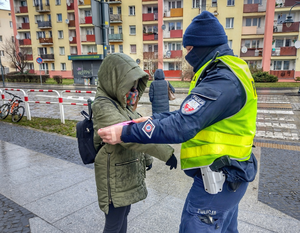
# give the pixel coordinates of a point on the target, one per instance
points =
(216, 124)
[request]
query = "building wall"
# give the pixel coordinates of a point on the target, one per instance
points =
(6, 32)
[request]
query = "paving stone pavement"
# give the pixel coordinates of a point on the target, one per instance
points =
(278, 179)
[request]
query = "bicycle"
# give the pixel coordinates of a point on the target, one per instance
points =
(13, 107)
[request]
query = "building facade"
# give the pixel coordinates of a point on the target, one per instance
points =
(151, 31)
(6, 34)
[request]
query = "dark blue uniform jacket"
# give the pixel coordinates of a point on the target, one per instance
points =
(218, 95)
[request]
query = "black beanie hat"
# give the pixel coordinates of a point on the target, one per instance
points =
(204, 30)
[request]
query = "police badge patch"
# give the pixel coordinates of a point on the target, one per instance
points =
(192, 105)
(148, 128)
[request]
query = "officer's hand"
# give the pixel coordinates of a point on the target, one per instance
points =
(111, 134)
(141, 119)
(172, 162)
(149, 167)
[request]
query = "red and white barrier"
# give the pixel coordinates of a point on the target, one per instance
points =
(60, 102)
(78, 92)
(2, 96)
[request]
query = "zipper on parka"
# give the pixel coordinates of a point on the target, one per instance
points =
(128, 162)
(108, 178)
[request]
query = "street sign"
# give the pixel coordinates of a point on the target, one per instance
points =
(39, 60)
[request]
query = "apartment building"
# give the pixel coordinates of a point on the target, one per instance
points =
(151, 31)
(6, 34)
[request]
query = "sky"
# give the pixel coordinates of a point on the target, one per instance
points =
(4, 4)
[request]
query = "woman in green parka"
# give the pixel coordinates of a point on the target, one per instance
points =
(120, 169)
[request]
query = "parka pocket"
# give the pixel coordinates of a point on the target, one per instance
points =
(129, 175)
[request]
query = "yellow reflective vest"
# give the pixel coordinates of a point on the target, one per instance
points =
(232, 136)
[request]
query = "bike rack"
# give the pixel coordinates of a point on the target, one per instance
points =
(75, 91)
(27, 109)
(60, 102)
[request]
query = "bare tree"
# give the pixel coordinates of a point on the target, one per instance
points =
(150, 62)
(187, 70)
(17, 57)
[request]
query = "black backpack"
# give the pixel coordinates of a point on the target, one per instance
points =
(85, 135)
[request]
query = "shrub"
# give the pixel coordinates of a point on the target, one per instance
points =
(58, 79)
(33, 78)
(264, 77)
(297, 79)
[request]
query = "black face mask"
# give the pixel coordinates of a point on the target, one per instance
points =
(198, 56)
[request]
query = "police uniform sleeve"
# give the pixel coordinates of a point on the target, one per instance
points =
(210, 102)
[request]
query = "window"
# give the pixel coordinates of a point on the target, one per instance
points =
(120, 30)
(230, 43)
(63, 66)
(111, 30)
(229, 22)
(132, 10)
(90, 31)
(278, 43)
(171, 26)
(10, 24)
(255, 43)
(44, 66)
(38, 18)
(132, 30)
(252, 22)
(288, 42)
(178, 25)
(12, 39)
(0, 38)
(108, 48)
(171, 66)
(40, 35)
(87, 13)
(277, 65)
(112, 48)
(2, 53)
(178, 4)
(286, 65)
(247, 43)
(178, 46)
(248, 22)
(61, 50)
(254, 2)
(132, 48)
(52, 66)
(111, 10)
(57, 2)
(59, 18)
(230, 2)
(119, 9)
(120, 48)
(214, 3)
(60, 34)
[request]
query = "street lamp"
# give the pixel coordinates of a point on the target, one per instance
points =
(289, 21)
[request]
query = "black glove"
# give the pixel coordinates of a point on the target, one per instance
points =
(172, 162)
(149, 167)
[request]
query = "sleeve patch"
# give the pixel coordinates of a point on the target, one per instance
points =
(192, 105)
(148, 128)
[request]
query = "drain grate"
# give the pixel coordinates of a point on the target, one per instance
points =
(274, 106)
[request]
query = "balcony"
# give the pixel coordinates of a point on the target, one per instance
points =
(176, 53)
(84, 2)
(150, 55)
(44, 24)
(88, 20)
(71, 23)
(73, 41)
(23, 9)
(47, 57)
(91, 53)
(150, 36)
(115, 18)
(249, 8)
(252, 52)
(288, 51)
(46, 41)
(150, 16)
(42, 8)
(70, 7)
(24, 26)
(289, 3)
(90, 38)
(283, 73)
(283, 28)
(29, 57)
(253, 30)
(115, 37)
(175, 33)
(174, 12)
(25, 42)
